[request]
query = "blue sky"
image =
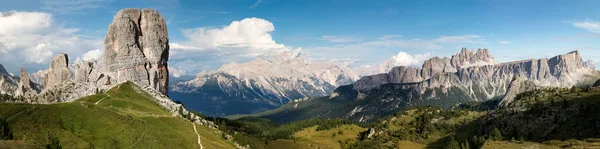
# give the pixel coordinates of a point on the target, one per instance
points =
(205, 34)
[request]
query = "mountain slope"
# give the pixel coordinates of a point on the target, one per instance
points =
(123, 117)
(261, 84)
(542, 118)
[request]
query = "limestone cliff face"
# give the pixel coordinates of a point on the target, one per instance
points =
(59, 72)
(136, 48)
(484, 80)
(447, 82)
(516, 86)
(431, 67)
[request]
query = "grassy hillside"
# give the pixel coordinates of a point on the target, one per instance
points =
(310, 138)
(123, 117)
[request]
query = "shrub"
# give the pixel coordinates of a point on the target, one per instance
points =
(54, 143)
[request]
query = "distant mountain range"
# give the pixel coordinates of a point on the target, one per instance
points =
(466, 76)
(261, 84)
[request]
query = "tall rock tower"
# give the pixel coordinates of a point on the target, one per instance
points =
(136, 48)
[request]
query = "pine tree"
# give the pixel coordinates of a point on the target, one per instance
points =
(495, 135)
(5, 132)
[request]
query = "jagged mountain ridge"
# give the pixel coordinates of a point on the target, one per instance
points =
(268, 83)
(478, 83)
(451, 83)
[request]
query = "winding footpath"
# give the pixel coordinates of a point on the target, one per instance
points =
(201, 147)
(103, 98)
(20, 112)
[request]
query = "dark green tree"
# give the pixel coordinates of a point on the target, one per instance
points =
(452, 144)
(5, 133)
(495, 135)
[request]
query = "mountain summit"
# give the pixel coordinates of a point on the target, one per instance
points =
(136, 48)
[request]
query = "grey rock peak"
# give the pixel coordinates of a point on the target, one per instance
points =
(26, 86)
(404, 74)
(136, 48)
(58, 72)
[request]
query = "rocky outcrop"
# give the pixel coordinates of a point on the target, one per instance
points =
(431, 67)
(59, 72)
(136, 48)
(26, 87)
(8, 83)
(82, 72)
(516, 86)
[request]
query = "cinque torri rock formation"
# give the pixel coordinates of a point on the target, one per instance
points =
(262, 84)
(26, 86)
(136, 48)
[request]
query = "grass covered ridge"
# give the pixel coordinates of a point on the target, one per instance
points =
(123, 117)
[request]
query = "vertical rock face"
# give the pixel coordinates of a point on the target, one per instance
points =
(482, 77)
(136, 48)
(516, 86)
(82, 72)
(431, 67)
(58, 72)
(26, 86)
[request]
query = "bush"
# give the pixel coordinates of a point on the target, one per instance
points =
(54, 143)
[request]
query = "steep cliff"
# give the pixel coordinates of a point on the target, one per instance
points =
(136, 48)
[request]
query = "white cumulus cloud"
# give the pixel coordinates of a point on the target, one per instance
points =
(31, 38)
(251, 35)
(403, 59)
(92, 55)
(505, 42)
(17, 22)
(240, 40)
